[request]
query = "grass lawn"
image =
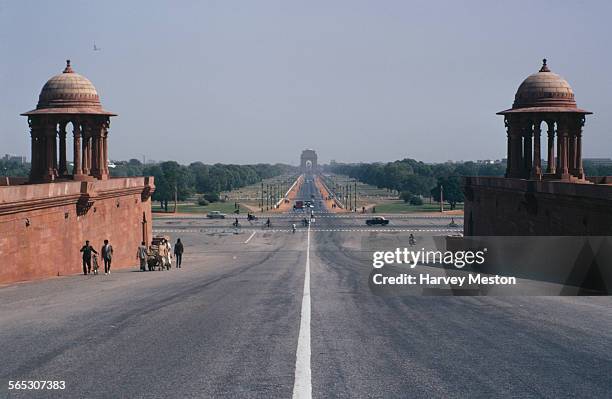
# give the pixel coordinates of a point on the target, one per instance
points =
(254, 190)
(366, 194)
(363, 189)
(224, 207)
(400, 206)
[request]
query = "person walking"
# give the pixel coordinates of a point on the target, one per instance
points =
(178, 252)
(169, 252)
(107, 256)
(141, 254)
(163, 254)
(87, 250)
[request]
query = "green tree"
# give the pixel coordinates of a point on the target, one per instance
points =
(416, 200)
(170, 179)
(451, 189)
(211, 197)
(14, 169)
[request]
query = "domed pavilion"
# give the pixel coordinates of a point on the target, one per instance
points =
(69, 98)
(545, 99)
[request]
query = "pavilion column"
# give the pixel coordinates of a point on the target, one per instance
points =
(95, 152)
(509, 157)
(98, 160)
(515, 152)
(527, 149)
(563, 171)
(50, 141)
(62, 170)
(579, 167)
(571, 141)
(509, 150)
(33, 155)
(55, 136)
(550, 168)
(95, 157)
(517, 143)
(77, 170)
(536, 171)
(89, 154)
(41, 150)
(559, 137)
(105, 148)
(86, 149)
(38, 150)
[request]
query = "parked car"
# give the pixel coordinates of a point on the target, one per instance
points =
(215, 215)
(377, 220)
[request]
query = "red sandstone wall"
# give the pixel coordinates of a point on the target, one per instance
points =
(50, 245)
(504, 207)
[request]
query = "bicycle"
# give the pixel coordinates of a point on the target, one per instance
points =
(411, 241)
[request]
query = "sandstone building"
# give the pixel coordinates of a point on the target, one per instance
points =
(531, 199)
(44, 220)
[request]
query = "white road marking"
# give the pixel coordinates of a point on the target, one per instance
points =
(302, 385)
(388, 230)
(249, 239)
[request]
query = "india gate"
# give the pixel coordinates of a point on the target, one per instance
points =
(46, 218)
(544, 124)
(308, 161)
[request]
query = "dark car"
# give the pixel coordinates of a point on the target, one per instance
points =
(215, 215)
(377, 220)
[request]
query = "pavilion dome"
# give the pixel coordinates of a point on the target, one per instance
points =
(544, 91)
(544, 88)
(68, 93)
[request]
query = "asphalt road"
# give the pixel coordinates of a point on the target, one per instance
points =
(228, 323)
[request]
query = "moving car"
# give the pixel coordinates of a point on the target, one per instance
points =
(215, 215)
(377, 220)
(298, 205)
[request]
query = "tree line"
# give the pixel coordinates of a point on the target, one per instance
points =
(409, 177)
(173, 178)
(186, 180)
(14, 168)
(413, 178)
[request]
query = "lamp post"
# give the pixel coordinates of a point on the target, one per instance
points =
(350, 203)
(355, 195)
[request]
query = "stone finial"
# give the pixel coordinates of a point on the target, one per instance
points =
(544, 66)
(68, 68)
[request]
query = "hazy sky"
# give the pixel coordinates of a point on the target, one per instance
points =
(258, 81)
